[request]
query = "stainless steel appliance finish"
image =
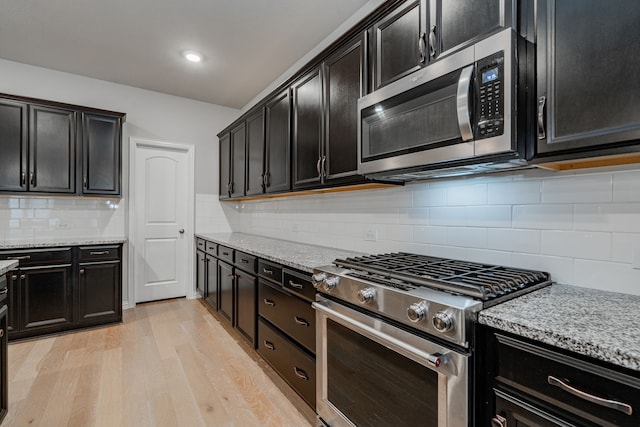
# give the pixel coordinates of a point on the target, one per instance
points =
(376, 314)
(452, 117)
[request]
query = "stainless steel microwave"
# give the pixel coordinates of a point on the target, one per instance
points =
(455, 116)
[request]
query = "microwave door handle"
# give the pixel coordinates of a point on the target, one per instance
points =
(462, 101)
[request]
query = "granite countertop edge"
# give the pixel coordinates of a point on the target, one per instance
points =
(30, 244)
(7, 266)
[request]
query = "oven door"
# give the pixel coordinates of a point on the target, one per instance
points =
(371, 373)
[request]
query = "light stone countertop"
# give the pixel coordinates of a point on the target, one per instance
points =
(603, 325)
(7, 266)
(301, 256)
(51, 243)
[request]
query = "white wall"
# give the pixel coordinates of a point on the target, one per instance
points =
(150, 115)
(582, 227)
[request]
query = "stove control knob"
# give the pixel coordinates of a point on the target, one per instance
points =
(417, 311)
(442, 321)
(330, 283)
(366, 295)
(317, 279)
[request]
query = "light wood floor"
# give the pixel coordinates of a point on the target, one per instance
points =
(170, 363)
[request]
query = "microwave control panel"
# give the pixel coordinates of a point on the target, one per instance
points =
(490, 107)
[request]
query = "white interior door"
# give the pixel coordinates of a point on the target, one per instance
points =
(162, 199)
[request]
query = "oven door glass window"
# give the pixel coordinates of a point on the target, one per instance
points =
(375, 386)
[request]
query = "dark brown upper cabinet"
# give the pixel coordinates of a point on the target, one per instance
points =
(54, 148)
(278, 142)
(399, 43)
(588, 54)
(238, 150)
(101, 153)
(225, 166)
(255, 153)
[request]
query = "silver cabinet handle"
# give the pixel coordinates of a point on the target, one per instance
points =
(299, 372)
(432, 42)
(295, 285)
(244, 261)
(31, 179)
(323, 171)
(318, 167)
(23, 178)
(18, 258)
(300, 321)
(422, 48)
(22, 277)
(612, 404)
(1, 333)
(85, 183)
(462, 102)
(231, 276)
(14, 277)
(269, 345)
(4, 291)
(498, 421)
(542, 134)
(82, 271)
(98, 252)
(265, 271)
(269, 302)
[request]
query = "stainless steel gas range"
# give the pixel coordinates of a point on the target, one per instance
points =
(395, 336)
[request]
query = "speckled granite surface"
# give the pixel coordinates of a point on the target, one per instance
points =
(7, 265)
(50, 243)
(297, 255)
(603, 325)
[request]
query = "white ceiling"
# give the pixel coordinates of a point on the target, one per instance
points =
(247, 44)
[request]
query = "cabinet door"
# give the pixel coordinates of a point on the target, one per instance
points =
(255, 153)
(225, 287)
(238, 160)
(99, 292)
(13, 146)
(343, 76)
(201, 273)
(211, 289)
(399, 42)
(246, 313)
(52, 149)
(45, 298)
(457, 23)
(101, 144)
(225, 166)
(4, 379)
(13, 302)
(307, 130)
(277, 157)
(588, 54)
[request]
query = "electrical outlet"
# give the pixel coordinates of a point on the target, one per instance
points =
(635, 262)
(371, 235)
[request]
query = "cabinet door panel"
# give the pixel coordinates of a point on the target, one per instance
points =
(52, 149)
(225, 166)
(13, 146)
(587, 74)
(201, 273)
(101, 142)
(99, 292)
(45, 299)
(307, 129)
(4, 379)
(237, 161)
(277, 159)
(225, 287)
(246, 294)
(13, 302)
(211, 292)
(255, 153)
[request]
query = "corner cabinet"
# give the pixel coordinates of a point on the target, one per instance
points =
(277, 169)
(588, 54)
(232, 162)
(99, 298)
(53, 148)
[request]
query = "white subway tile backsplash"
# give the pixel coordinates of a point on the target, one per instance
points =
(451, 216)
(468, 195)
(614, 217)
(431, 235)
(467, 237)
(514, 193)
(488, 216)
(551, 217)
(623, 245)
(414, 216)
(489, 257)
(609, 276)
(514, 240)
(560, 268)
(577, 244)
(626, 187)
(448, 251)
(430, 197)
(578, 189)
(400, 233)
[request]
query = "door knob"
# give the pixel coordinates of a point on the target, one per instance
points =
(181, 231)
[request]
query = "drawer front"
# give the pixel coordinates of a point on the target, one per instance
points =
(292, 363)
(211, 248)
(200, 244)
(270, 270)
(295, 317)
(578, 387)
(39, 256)
(225, 254)
(298, 283)
(99, 253)
(246, 262)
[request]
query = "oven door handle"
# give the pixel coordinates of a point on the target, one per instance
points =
(462, 103)
(437, 361)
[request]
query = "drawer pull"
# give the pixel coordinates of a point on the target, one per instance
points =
(98, 252)
(300, 321)
(498, 421)
(269, 302)
(299, 372)
(225, 253)
(612, 404)
(4, 291)
(22, 257)
(295, 285)
(14, 277)
(265, 271)
(244, 261)
(1, 333)
(269, 345)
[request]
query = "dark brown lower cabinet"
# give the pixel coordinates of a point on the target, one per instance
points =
(225, 288)
(99, 289)
(46, 299)
(201, 273)
(245, 305)
(4, 379)
(211, 280)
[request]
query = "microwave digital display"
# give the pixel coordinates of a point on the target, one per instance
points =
(490, 75)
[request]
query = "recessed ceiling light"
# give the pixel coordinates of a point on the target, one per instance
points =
(191, 55)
